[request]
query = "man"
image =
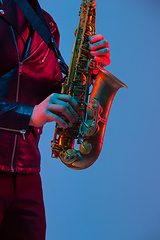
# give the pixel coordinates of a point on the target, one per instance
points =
(29, 97)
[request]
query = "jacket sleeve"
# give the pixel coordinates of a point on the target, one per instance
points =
(14, 115)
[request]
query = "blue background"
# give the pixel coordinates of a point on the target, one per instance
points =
(118, 198)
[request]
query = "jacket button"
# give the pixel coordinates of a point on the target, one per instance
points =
(1, 11)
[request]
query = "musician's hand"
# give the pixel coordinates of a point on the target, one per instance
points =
(49, 109)
(99, 49)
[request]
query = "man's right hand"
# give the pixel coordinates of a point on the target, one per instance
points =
(49, 109)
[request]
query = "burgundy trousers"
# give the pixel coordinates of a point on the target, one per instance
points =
(22, 214)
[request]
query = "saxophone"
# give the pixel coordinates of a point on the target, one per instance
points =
(93, 112)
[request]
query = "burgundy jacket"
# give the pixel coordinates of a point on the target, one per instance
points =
(29, 72)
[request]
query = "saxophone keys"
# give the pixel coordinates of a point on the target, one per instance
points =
(85, 147)
(88, 128)
(68, 156)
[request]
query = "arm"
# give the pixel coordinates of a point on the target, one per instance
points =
(18, 116)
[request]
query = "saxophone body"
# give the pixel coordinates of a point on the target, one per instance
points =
(93, 111)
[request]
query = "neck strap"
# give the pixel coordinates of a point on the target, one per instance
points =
(38, 22)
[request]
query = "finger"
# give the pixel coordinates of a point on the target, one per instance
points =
(96, 38)
(53, 117)
(99, 45)
(102, 52)
(103, 61)
(66, 98)
(64, 108)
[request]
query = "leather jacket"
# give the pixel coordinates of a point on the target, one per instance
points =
(29, 72)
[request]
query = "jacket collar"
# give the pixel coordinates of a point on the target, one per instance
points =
(15, 18)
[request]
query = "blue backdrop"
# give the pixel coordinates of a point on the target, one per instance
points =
(118, 198)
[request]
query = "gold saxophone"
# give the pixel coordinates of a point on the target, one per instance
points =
(93, 113)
